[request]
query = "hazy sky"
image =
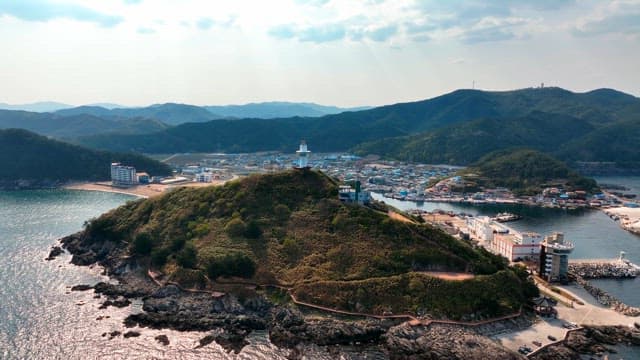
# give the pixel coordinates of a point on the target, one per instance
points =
(339, 52)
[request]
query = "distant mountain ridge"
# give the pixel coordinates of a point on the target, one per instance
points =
(75, 125)
(278, 109)
(42, 106)
(468, 123)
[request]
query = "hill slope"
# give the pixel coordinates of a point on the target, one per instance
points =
(289, 228)
(32, 160)
(169, 113)
(72, 126)
(343, 131)
(526, 171)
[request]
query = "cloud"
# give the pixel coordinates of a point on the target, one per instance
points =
(625, 24)
(205, 23)
(285, 31)
(132, 2)
(146, 30)
(322, 33)
(487, 35)
(317, 34)
(312, 2)
(382, 33)
(42, 10)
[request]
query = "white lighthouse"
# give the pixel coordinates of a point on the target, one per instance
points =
(303, 155)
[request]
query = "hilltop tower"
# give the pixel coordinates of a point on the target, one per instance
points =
(303, 155)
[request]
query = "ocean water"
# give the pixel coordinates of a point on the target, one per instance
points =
(594, 234)
(41, 319)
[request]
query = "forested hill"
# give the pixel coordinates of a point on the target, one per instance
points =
(343, 131)
(290, 228)
(33, 159)
(526, 171)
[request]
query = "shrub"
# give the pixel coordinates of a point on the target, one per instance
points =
(234, 264)
(187, 257)
(235, 227)
(159, 256)
(253, 230)
(142, 244)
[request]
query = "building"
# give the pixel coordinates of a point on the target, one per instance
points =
(303, 155)
(517, 246)
(143, 178)
(350, 195)
(554, 257)
(204, 177)
(503, 240)
(122, 175)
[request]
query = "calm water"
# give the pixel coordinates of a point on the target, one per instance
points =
(593, 233)
(41, 319)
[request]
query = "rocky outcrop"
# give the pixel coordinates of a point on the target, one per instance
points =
(55, 252)
(288, 328)
(591, 340)
(438, 341)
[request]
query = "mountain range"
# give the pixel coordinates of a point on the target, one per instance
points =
(455, 128)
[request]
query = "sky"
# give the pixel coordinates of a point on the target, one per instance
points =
(333, 52)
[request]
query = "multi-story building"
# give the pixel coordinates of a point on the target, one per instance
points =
(503, 240)
(554, 257)
(122, 175)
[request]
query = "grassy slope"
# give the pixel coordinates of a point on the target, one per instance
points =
(306, 237)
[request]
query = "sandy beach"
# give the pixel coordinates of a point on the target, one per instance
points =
(142, 191)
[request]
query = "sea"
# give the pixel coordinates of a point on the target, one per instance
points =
(40, 318)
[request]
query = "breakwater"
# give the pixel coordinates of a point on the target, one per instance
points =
(607, 299)
(615, 269)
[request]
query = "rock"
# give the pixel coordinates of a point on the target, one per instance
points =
(129, 334)
(165, 291)
(55, 252)
(81, 287)
(114, 334)
(123, 302)
(162, 339)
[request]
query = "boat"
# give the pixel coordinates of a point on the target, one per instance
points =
(506, 217)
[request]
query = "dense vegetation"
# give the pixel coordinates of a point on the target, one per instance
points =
(467, 142)
(456, 128)
(31, 157)
(168, 113)
(75, 125)
(289, 228)
(526, 171)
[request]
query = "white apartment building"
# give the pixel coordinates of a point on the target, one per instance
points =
(122, 175)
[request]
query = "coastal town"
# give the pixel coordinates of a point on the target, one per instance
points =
(567, 297)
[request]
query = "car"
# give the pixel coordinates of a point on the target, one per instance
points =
(537, 343)
(552, 338)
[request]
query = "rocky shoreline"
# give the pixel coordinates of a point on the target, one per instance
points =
(228, 319)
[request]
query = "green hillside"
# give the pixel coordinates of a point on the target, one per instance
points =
(526, 171)
(30, 157)
(341, 132)
(289, 228)
(465, 143)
